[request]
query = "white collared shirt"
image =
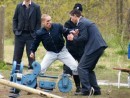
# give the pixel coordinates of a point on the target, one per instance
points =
(24, 3)
(78, 21)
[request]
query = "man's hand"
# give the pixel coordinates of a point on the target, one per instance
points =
(32, 56)
(75, 32)
(70, 37)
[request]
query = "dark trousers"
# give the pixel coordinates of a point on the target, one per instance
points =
(25, 39)
(85, 70)
(67, 70)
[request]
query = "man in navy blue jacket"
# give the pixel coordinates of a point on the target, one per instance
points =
(51, 36)
(89, 37)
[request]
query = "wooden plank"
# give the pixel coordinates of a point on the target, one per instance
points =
(123, 69)
(28, 89)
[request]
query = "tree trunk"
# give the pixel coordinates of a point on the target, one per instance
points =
(2, 12)
(128, 24)
(119, 11)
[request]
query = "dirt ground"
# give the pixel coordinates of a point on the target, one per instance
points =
(4, 90)
(107, 91)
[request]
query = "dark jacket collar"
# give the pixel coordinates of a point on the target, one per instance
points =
(31, 8)
(52, 26)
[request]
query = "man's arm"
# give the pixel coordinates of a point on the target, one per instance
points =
(15, 20)
(66, 25)
(83, 36)
(34, 46)
(38, 12)
(35, 43)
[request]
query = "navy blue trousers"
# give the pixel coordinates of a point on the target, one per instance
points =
(85, 70)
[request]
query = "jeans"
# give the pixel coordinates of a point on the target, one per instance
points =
(64, 56)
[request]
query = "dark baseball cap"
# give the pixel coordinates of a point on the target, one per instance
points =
(78, 6)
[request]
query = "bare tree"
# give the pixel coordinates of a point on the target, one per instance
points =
(119, 11)
(2, 11)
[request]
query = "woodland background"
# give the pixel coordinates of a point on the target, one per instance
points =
(113, 19)
(111, 16)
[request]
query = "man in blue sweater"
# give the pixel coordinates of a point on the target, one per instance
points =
(51, 36)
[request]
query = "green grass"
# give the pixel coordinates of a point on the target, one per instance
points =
(105, 74)
(114, 56)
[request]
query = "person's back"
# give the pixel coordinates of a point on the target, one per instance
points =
(95, 40)
(72, 47)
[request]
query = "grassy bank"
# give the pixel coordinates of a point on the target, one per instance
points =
(114, 56)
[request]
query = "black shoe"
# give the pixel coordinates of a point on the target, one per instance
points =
(97, 93)
(41, 74)
(14, 96)
(78, 90)
(86, 93)
(30, 67)
(28, 93)
(82, 94)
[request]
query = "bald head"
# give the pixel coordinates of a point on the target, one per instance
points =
(27, 0)
(46, 21)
